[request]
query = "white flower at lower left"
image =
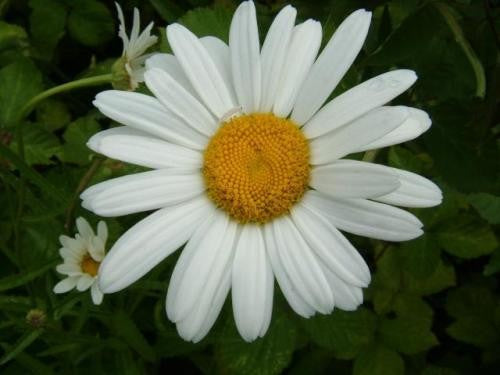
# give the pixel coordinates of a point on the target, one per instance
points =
(82, 256)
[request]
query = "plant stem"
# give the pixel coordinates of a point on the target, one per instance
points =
(79, 83)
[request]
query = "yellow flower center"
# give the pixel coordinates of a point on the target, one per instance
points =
(256, 167)
(89, 265)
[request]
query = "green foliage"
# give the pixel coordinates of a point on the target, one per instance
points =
(433, 306)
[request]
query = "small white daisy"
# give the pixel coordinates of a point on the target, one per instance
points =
(248, 171)
(134, 47)
(82, 257)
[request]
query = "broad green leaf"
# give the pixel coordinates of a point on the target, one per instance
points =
(436, 370)
(412, 307)
(32, 175)
(450, 17)
(77, 134)
(474, 330)
(467, 237)
(214, 21)
(487, 205)
(378, 360)
(344, 332)
(52, 114)
(91, 23)
(47, 25)
(12, 36)
(265, 356)
(471, 300)
(39, 145)
(19, 82)
(408, 335)
(126, 329)
(493, 265)
(420, 257)
(24, 341)
(443, 277)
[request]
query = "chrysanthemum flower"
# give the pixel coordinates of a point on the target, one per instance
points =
(248, 171)
(82, 256)
(129, 70)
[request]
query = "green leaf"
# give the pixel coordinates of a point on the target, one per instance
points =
(344, 332)
(77, 134)
(402, 158)
(474, 307)
(32, 175)
(449, 16)
(443, 277)
(170, 11)
(487, 205)
(406, 335)
(493, 265)
(47, 25)
(378, 360)
(420, 257)
(126, 329)
(14, 281)
(413, 307)
(12, 36)
(52, 114)
(467, 238)
(265, 356)
(26, 340)
(474, 330)
(39, 145)
(91, 23)
(19, 82)
(214, 21)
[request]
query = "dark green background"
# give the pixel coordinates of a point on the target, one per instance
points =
(433, 307)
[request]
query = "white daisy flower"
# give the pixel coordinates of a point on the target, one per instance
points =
(134, 47)
(248, 171)
(82, 257)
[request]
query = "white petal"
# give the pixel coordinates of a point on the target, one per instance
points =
(303, 48)
(95, 248)
(200, 267)
(84, 282)
(417, 123)
(147, 114)
(219, 52)
(84, 228)
(70, 243)
(353, 179)
(297, 303)
(415, 191)
(331, 65)
(142, 191)
(273, 54)
(358, 101)
(102, 232)
(347, 297)
(150, 241)
(170, 64)
(302, 266)
(70, 269)
(364, 217)
(200, 69)
(368, 128)
(245, 56)
(96, 294)
(69, 255)
(179, 101)
(331, 246)
(65, 285)
(136, 147)
(250, 283)
(201, 319)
